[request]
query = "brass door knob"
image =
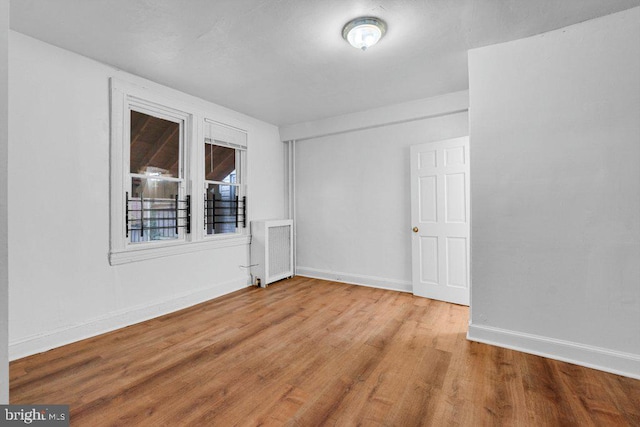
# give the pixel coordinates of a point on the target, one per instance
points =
(415, 229)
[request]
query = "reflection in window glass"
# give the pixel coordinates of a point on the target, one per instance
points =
(154, 167)
(222, 183)
(221, 208)
(153, 215)
(155, 145)
(219, 163)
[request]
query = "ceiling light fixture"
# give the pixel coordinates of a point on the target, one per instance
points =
(364, 32)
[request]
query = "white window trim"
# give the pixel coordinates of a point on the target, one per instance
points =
(124, 94)
(223, 241)
(160, 111)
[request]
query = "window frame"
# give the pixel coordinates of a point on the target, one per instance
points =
(240, 162)
(161, 112)
(124, 96)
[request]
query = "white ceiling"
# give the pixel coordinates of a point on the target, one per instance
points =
(284, 61)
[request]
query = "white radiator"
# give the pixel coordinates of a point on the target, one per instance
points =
(271, 251)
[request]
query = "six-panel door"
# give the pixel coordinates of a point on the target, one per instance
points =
(440, 220)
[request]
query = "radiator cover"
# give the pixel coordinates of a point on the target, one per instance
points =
(271, 250)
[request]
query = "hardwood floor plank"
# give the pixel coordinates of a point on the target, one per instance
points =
(310, 352)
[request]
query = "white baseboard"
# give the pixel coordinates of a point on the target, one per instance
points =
(356, 279)
(119, 319)
(626, 364)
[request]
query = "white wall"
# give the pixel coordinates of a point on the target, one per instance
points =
(419, 109)
(352, 192)
(62, 287)
(555, 187)
(4, 254)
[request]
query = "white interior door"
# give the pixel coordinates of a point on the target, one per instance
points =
(440, 220)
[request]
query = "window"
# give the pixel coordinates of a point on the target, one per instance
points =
(155, 203)
(165, 156)
(225, 204)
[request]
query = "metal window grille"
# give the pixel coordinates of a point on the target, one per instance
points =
(225, 215)
(157, 218)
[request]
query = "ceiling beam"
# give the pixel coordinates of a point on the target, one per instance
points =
(139, 127)
(225, 164)
(159, 146)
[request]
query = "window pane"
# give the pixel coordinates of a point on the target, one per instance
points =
(221, 208)
(155, 145)
(153, 188)
(158, 220)
(219, 163)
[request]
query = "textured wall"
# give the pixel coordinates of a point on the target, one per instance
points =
(353, 206)
(62, 286)
(555, 187)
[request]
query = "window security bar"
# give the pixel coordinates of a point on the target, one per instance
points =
(147, 214)
(225, 211)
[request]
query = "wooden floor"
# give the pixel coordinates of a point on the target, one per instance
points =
(308, 352)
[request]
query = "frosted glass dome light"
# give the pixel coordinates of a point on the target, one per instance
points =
(363, 33)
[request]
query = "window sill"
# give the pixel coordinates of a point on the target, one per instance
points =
(134, 255)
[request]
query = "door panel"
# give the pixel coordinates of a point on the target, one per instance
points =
(429, 259)
(455, 197)
(440, 216)
(428, 199)
(457, 262)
